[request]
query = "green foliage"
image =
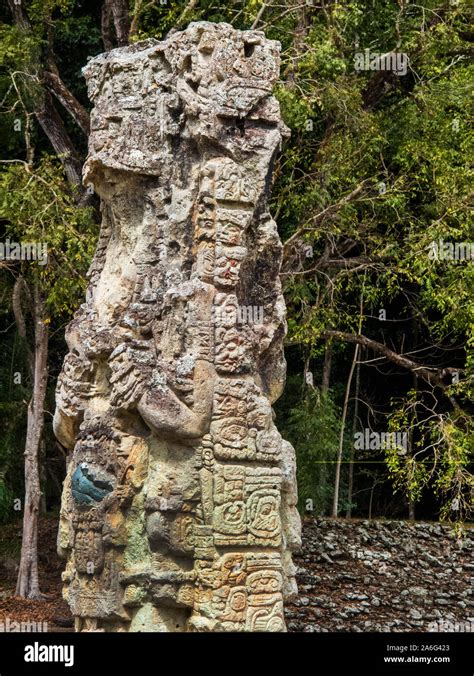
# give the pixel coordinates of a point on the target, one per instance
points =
(440, 458)
(408, 154)
(312, 427)
(39, 207)
(13, 399)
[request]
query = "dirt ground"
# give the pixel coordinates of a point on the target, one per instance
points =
(53, 610)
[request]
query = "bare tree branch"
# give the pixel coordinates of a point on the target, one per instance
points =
(19, 16)
(354, 263)
(116, 11)
(53, 126)
(432, 375)
(68, 100)
(329, 210)
(189, 8)
(121, 21)
(105, 27)
(260, 14)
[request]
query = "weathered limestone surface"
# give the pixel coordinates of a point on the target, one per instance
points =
(178, 510)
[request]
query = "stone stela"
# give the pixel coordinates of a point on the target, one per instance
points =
(179, 505)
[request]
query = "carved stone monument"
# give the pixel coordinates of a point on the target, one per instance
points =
(178, 510)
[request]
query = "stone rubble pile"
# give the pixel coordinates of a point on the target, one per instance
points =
(383, 576)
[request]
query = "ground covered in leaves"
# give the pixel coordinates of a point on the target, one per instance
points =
(53, 609)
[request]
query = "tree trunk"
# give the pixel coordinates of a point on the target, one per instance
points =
(28, 582)
(118, 12)
(42, 475)
(54, 128)
(78, 113)
(121, 21)
(337, 480)
(350, 485)
(411, 502)
(335, 505)
(327, 369)
(369, 516)
(106, 28)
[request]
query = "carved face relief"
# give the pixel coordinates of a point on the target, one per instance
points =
(205, 261)
(228, 261)
(205, 222)
(229, 233)
(231, 354)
